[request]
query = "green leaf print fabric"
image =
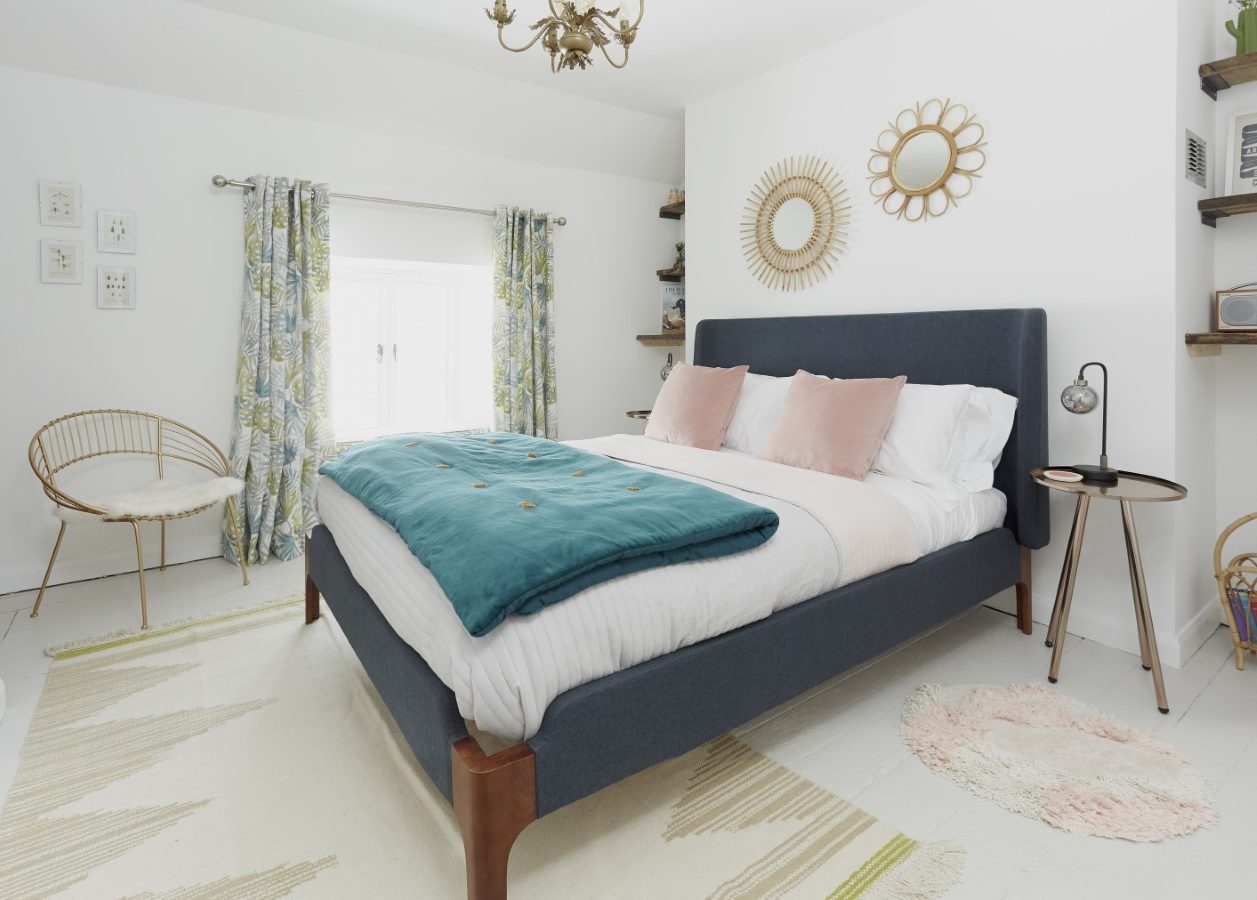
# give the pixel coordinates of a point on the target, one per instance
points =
(525, 398)
(283, 427)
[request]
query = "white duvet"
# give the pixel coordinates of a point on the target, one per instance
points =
(833, 531)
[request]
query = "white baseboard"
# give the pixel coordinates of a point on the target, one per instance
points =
(1119, 632)
(26, 578)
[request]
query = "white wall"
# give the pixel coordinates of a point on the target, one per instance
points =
(1074, 213)
(175, 353)
(1235, 370)
(1196, 610)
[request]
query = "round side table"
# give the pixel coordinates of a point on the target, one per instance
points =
(640, 414)
(1131, 487)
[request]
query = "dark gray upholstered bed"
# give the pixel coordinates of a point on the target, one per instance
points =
(603, 731)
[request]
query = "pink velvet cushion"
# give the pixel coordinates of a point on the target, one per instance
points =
(834, 426)
(695, 405)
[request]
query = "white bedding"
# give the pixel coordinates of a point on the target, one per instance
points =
(505, 680)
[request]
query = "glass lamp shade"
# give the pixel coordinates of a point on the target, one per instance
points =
(1080, 397)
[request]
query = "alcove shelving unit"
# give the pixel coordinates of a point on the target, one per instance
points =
(1226, 73)
(1218, 76)
(665, 338)
(1210, 343)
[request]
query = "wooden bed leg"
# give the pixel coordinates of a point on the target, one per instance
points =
(495, 798)
(312, 600)
(1024, 622)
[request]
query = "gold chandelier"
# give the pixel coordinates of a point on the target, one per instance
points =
(573, 29)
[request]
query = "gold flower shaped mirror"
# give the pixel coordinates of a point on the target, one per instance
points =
(794, 225)
(927, 159)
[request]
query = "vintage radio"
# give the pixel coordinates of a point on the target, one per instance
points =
(1235, 310)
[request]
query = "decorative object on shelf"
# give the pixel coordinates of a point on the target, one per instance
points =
(1128, 488)
(1237, 589)
(673, 307)
(667, 369)
(60, 204)
(1062, 475)
(61, 262)
(927, 159)
(115, 231)
(115, 287)
(680, 263)
(1244, 28)
(795, 223)
(1236, 309)
(573, 29)
(1081, 398)
(1241, 157)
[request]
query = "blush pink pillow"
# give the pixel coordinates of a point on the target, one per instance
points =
(695, 405)
(834, 426)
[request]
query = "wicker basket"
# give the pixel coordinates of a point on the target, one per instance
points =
(1237, 589)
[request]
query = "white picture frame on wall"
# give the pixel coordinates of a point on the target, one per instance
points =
(60, 204)
(115, 231)
(1241, 155)
(115, 287)
(60, 262)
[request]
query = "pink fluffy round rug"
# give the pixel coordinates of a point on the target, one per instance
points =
(1039, 753)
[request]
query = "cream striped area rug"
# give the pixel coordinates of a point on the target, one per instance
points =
(247, 756)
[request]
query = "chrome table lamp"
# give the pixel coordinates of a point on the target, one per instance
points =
(1081, 398)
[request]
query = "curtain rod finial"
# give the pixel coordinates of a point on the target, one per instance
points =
(219, 181)
(561, 220)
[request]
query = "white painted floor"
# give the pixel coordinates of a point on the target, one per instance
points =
(844, 735)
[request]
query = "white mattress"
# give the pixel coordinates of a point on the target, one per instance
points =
(505, 680)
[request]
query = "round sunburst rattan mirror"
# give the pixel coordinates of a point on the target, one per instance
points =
(926, 160)
(795, 221)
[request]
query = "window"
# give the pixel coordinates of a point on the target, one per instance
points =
(410, 347)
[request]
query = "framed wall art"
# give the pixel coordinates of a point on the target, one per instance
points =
(115, 287)
(60, 204)
(115, 231)
(61, 262)
(1241, 157)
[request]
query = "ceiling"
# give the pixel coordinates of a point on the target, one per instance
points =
(685, 50)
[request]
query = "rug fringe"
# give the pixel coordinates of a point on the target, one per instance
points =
(930, 871)
(126, 634)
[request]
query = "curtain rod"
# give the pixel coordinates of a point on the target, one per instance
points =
(221, 181)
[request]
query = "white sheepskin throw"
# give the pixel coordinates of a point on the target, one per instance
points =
(163, 497)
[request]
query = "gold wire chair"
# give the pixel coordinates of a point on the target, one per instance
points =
(80, 436)
(1237, 589)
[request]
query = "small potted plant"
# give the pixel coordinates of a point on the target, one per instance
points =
(1244, 28)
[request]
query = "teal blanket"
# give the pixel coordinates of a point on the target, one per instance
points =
(511, 524)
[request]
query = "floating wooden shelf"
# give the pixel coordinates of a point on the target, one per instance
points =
(1210, 343)
(672, 210)
(1221, 207)
(667, 339)
(671, 274)
(1225, 73)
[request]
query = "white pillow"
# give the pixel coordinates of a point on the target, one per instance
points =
(922, 444)
(984, 430)
(756, 412)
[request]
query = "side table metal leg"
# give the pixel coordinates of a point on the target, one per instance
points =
(1142, 612)
(1075, 553)
(1131, 563)
(1060, 586)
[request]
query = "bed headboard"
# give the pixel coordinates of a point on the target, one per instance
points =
(999, 348)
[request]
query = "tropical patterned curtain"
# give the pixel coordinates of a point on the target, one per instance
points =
(525, 397)
(283, 426)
